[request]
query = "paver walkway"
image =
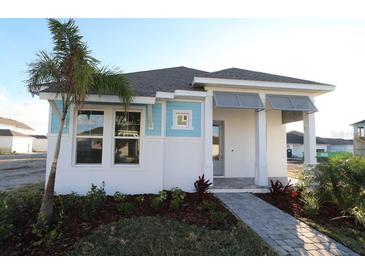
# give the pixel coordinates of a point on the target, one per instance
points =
(286, 234)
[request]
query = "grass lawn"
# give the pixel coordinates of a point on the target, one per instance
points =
(160, 236)
(99, 224)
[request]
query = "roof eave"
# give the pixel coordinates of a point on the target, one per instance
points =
(315, 88)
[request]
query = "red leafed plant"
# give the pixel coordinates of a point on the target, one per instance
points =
(202, 185)
(278, 189)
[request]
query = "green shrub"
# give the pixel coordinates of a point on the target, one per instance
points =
(157, 201)
(208, 205)
(5, 226)
(311, 204)
(93, 201)
(177, 198)
(341, 180)
(358, 212)
(140, 199)
(119, 197)
(126, 207)
(45, 235)
(217, 217)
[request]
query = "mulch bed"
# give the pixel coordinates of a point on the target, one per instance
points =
(74, 226)
(328, 213)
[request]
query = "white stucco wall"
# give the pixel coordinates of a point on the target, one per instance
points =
(239, 141)
(341, 148)
(164, 162)
(298, 149)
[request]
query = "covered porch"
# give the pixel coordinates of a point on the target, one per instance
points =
(245, 140)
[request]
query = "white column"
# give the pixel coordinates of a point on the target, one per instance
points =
(261, 178)
(309, 139)
(208, 136)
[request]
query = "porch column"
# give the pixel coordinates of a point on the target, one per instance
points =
(208, 135)
(309, 139)
(261, 178)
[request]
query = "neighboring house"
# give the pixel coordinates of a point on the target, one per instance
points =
(359, 138)
(183, 123)
(12, 141)
(40, 143)
(17, 137)
(17, 126)
(295, 144)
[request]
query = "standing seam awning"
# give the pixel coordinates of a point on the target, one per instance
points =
(291, 103)
(238, 100)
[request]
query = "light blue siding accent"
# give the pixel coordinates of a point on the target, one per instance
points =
(55, 122)
(156, 120)
(196, 119)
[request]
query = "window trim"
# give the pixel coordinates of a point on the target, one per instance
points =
(175, 114)
(75, 136)
(113, 137)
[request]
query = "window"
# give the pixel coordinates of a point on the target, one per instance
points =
(127, 137)
(182, 119)
(360, 132)
(89, 137)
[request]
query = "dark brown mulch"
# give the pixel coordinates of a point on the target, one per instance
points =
(74, 226)
(328, 213)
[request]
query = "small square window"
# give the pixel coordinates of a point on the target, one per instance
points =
(182, 119)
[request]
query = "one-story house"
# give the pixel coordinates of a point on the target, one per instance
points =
(295, 144)
(228, 125)
(12, 141)
(17, 137)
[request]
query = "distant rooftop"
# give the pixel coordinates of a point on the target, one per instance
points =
(11, 122)
(9, 132)
(296, 137)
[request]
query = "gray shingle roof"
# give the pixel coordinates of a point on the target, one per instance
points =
(9, 132)
(243, 74)
(147, 83)
(11, 122)
(359, 122)
(296, 137)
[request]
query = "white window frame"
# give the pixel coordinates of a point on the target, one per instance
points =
(76, 115)
(141, 127)
(177, 112)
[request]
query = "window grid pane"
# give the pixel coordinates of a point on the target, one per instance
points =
(127, 124)
(90, 123)
(126, 151)
(89, 150)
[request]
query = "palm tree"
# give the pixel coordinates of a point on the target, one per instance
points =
(74, 73)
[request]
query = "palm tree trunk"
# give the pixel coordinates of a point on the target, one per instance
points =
(46, 211)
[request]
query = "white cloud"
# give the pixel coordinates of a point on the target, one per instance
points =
(31, 111)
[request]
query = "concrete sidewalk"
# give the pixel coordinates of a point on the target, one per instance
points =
(284, 233)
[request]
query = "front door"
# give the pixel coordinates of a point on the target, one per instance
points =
(218, 148)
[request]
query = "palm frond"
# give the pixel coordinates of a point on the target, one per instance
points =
(109, 81)
(43, 72)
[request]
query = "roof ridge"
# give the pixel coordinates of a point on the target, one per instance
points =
(148, 70)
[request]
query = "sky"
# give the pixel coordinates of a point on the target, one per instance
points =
(325, 50)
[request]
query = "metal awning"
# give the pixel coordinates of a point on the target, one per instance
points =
(291, 103)
(238, 100)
